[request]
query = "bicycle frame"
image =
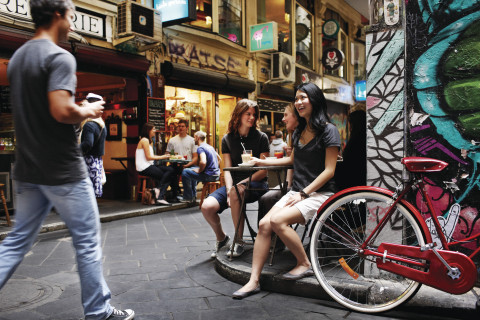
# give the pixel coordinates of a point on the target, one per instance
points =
(413, 262)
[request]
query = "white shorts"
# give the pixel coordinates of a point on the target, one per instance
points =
(307, 207)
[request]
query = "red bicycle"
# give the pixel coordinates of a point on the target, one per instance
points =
(371, 249)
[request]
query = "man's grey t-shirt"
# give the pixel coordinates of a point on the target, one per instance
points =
(47, 151)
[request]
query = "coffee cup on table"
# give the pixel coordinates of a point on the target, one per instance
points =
(246, 156)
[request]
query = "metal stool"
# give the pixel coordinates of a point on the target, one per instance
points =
(7, 215)
(143, 182)
(208, 187)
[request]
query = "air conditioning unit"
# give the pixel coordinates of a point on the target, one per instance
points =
(137, 22)
(282, 68)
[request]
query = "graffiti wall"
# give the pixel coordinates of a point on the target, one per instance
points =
(385, 99)
(442, 98)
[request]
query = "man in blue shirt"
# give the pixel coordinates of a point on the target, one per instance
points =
(206, 171)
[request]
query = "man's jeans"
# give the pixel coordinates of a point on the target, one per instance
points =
(76, 204)
(190, 179)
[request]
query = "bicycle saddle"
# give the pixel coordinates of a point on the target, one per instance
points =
(420, 164)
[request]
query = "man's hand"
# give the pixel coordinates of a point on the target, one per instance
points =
(95, 108)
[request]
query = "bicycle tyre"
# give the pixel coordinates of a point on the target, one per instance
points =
(340, 229)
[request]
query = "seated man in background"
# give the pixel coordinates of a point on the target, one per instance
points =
(184, 145)
(207, 170)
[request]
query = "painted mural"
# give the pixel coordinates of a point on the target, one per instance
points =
(443, 102)
(385, 129)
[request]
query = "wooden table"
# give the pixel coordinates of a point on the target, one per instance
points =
(251, 170)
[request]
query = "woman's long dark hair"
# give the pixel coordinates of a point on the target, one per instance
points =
(146, 131)
(319, 118)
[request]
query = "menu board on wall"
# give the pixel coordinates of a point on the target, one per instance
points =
(156, 112)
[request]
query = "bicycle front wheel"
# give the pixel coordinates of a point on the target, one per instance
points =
(353, 279)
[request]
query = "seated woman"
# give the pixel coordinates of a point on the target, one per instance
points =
(144, 158)
(242, 135)
(316, 144)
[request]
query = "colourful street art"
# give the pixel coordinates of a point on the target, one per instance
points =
(443, 105)
(385, 129)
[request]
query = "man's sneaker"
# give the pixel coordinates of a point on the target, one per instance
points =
(219, 245)
(126, 314)
(237, 252)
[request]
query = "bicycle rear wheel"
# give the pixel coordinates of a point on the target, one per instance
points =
(342, 227)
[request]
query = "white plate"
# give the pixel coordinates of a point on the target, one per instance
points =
(246, 164)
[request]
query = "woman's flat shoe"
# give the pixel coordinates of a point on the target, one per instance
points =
(288, 276)
(239, 295)
(162, 202)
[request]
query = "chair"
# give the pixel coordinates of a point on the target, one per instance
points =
(208, 187)
(7, 215)
(143, 183)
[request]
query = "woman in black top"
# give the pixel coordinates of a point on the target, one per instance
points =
(316, 143)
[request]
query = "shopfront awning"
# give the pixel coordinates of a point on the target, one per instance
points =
(180, 75)
(89, 58)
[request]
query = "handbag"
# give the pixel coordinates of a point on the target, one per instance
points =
(149, 197)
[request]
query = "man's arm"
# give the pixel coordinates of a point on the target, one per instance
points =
(64, 110)
(203, 162)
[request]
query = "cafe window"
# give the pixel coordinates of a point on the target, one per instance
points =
(338, 40)
(195, 106)
(304, 39)
(204, 15)
(279, 11)
(230, 20)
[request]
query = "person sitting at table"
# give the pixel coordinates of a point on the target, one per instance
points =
(206, 171)
(184, 145)
(266, 202)
(144, 163)
(316, 143)
(277, 144)
(242, 135)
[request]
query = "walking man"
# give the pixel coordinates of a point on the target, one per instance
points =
(206, 171)
(49, 169)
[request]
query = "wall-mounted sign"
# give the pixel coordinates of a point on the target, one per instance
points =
(85, 21)
(391, 12)
(176, 11)
(332, 58)
(336, 89)
(264, 37)
(206, 57)
(89, 23)
(361, 90)
(330, 28)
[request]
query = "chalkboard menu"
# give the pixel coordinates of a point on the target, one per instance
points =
(5, 105)
(156, 112)
(272, 105)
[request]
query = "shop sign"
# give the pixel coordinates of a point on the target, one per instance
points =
(206, 57)
(330, 28)
(337, 91)
(16, 8)
(264, 37)
(309, 76)
(176, 11)
(361, 90)
(85, 21)
(89, 23)
(332, 58)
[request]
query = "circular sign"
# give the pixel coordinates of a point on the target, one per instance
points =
(301, 31)
(332, 58)
(330, 28)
